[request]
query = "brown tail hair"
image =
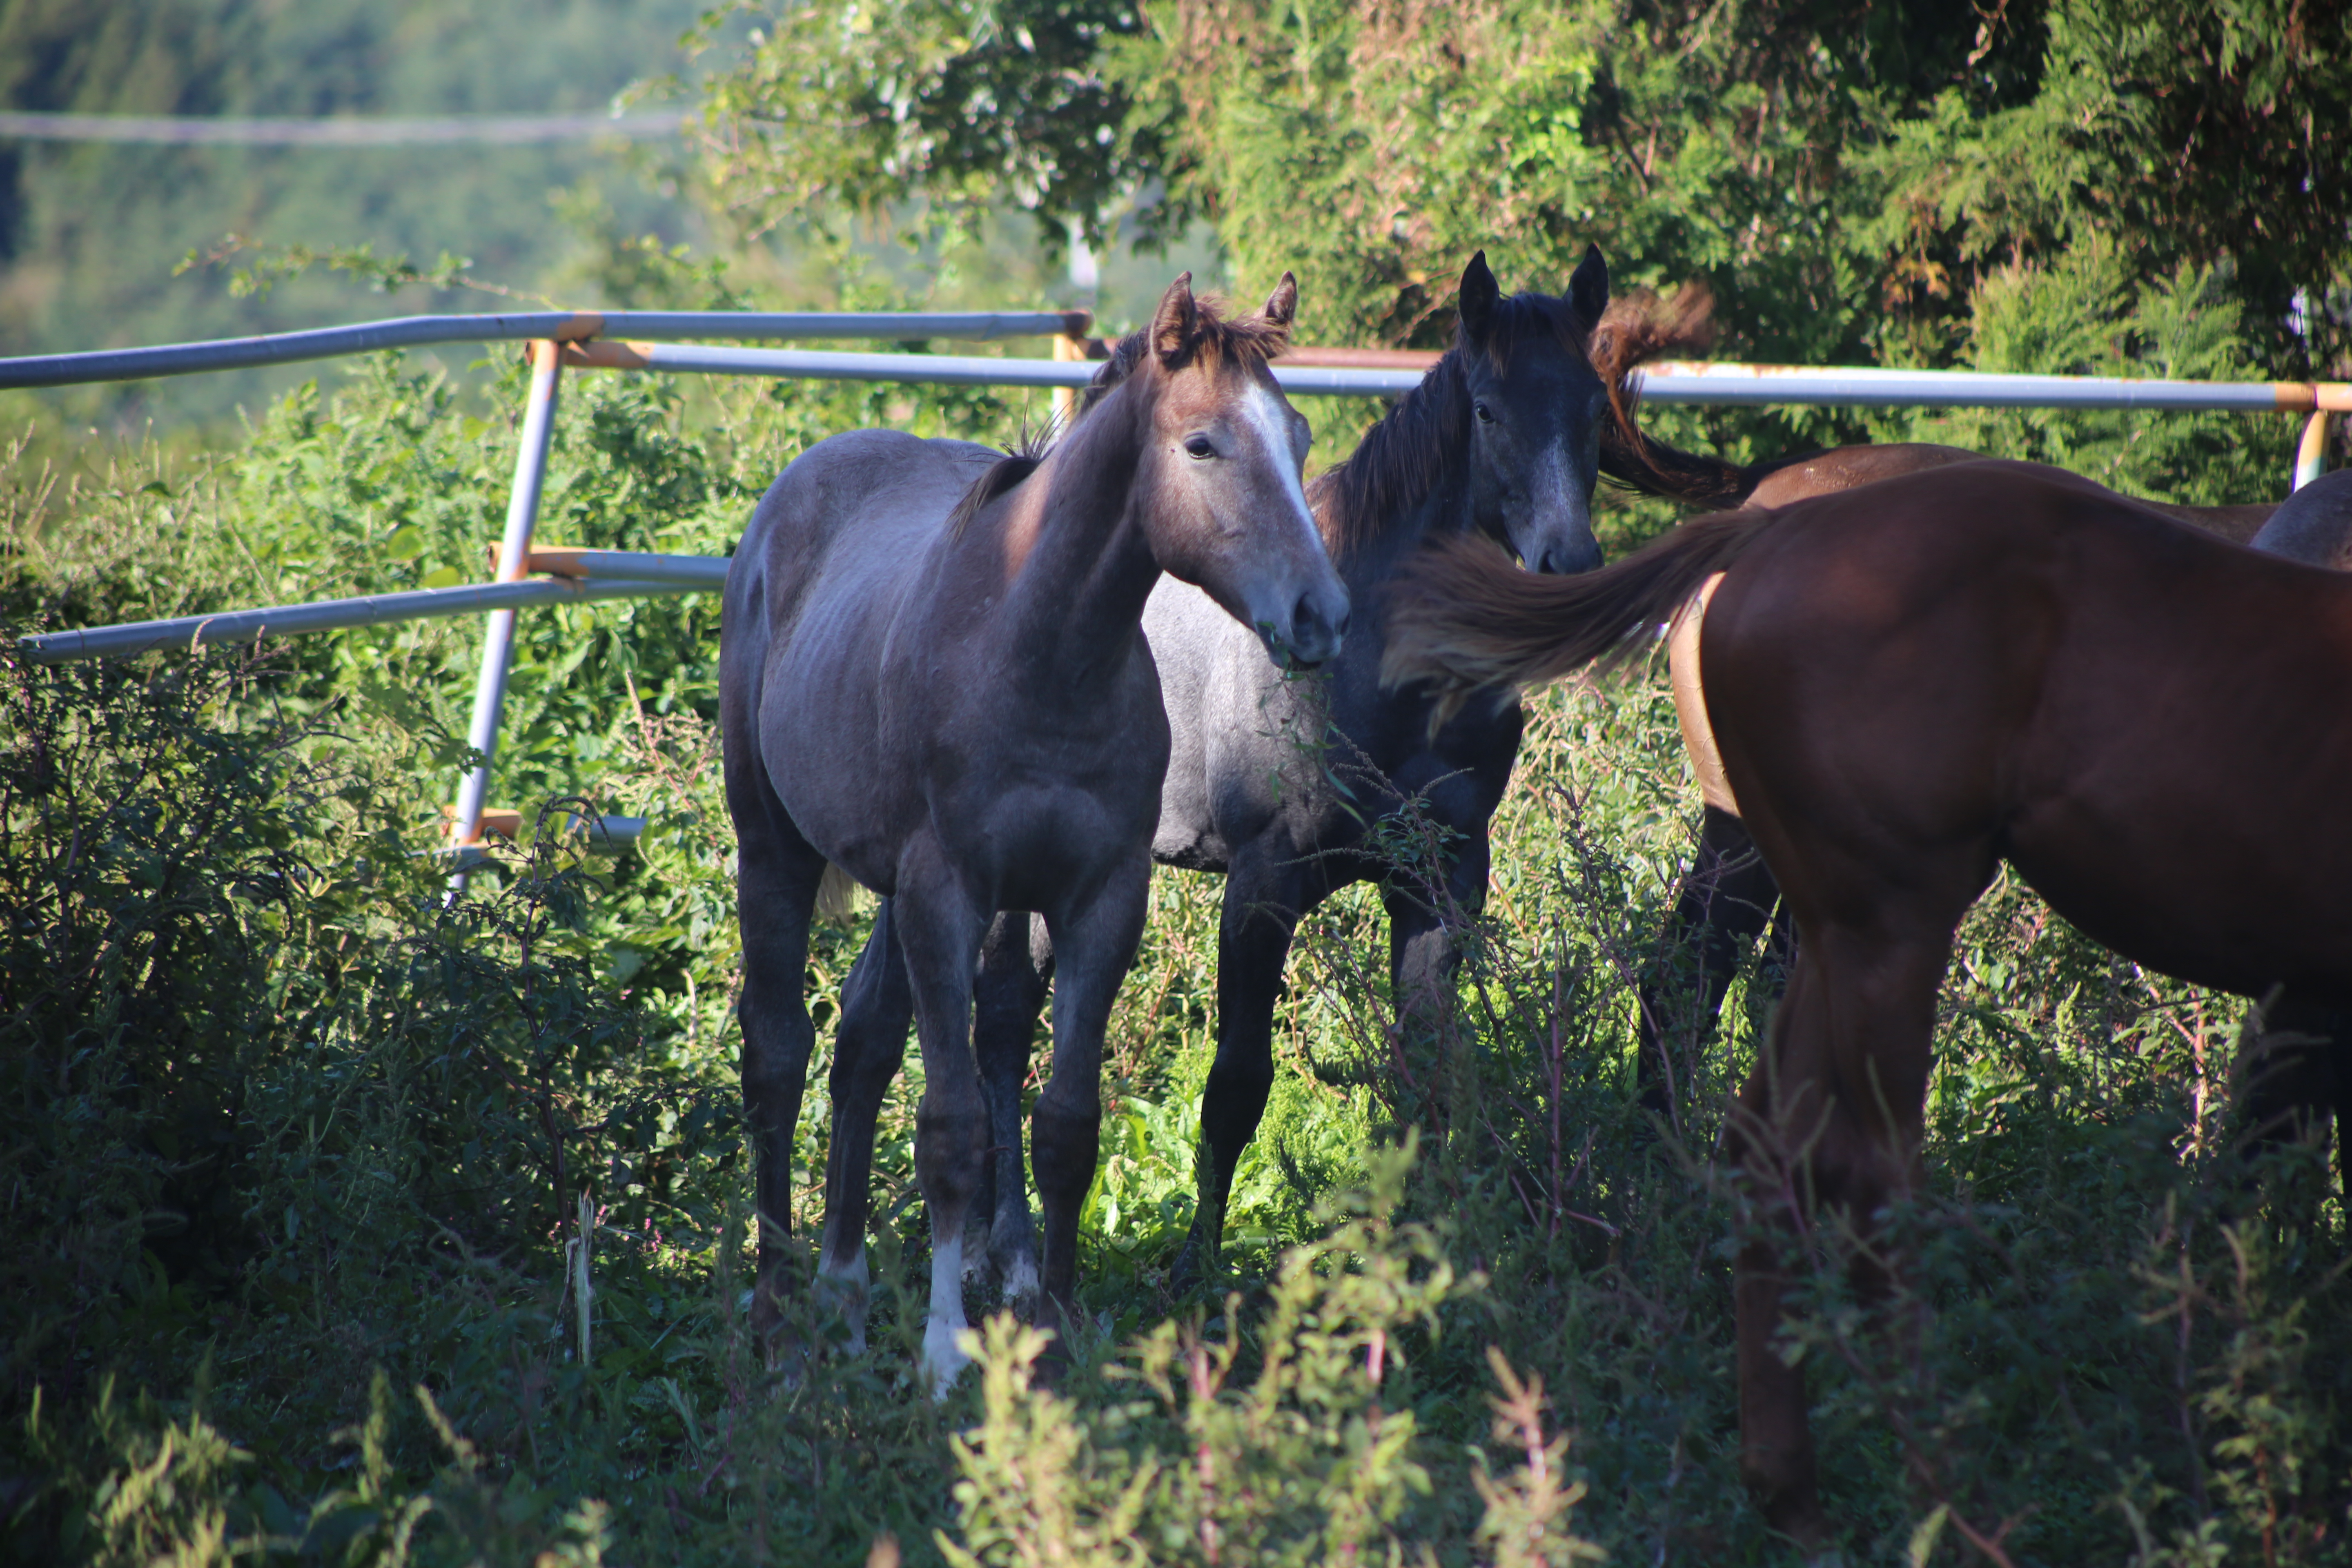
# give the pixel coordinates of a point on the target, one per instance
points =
(1462, 618)
(1639, 327)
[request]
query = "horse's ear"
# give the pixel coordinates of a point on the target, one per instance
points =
(1282, 305)
(1177, 325)
(1587, 288)
(1480, 294)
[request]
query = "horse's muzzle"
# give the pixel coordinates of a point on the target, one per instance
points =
(1568, 559)
(1318, 624)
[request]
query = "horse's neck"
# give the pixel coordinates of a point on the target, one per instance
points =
(1080, 561)
(1373, 550)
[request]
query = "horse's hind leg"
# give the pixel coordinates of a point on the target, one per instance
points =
(1726, 902)
(1093, 946)
(1829, 1123)
(1776, 1439)
(2294, 1081)
(940, 928)
(869, 1044)
(1266, 893)
(777, 873)
(1016, 969)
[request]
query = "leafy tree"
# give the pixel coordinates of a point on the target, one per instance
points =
(1845, 174)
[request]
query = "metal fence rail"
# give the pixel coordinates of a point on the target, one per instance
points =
(187, 633)
(645, 339)
(561, 326)
(1761, 385)
(1751, 385)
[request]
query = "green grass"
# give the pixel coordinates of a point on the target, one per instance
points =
(295, 1154)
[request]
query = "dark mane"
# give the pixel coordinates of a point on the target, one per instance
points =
(1005, 474)
(1398, 462)
(1400, 458)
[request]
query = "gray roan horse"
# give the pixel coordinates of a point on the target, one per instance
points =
(1500, 438)
(933, 676)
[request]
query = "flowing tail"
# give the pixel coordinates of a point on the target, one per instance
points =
(1639, 327)
(838, 896)
(1462, 618)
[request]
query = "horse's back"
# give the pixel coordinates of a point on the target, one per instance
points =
(2313, 524)
(847, 516)
(834, 549)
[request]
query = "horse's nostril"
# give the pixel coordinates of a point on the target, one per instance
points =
(1563, 561)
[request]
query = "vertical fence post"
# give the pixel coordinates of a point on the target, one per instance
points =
(2311, 454)
(1066, 348)
(514, 564)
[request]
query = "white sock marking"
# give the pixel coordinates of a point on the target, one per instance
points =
(943, 1358)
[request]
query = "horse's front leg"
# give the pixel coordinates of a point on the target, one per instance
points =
(1093, 942)
(868, 1046)
(940, 928)
(1016, 969)
(1268, 890)
(1425, 926)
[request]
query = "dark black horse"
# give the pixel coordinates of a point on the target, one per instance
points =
(1276, 781)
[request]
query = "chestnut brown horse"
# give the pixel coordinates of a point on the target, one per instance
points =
(1910, 683)
(1729, 899)
(933, 677)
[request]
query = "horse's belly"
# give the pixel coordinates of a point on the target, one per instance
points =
(1690, 700)
(1043, 844)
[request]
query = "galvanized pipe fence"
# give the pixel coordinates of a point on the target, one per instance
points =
(526, 574)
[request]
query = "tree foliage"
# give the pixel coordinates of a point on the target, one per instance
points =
(967, 104)
(1847, 174)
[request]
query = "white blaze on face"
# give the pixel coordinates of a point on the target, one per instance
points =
(1552, 493)
(1263, 411)
(943, 1358)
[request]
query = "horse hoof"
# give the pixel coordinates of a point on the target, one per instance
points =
(1193, 1265)
(943, 1358)
(1019, 1290)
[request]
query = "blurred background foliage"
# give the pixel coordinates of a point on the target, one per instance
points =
(89, 233)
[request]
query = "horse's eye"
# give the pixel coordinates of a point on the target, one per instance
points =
(1485, 415)
(1200, 446)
